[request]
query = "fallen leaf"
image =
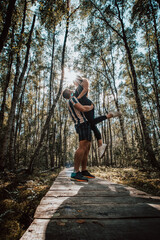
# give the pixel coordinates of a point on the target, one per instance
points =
(61, 223)
(80, 221)
(79, 210)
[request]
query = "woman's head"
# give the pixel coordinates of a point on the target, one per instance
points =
(78, 80)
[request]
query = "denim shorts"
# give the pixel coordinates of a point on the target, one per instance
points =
(84, 131)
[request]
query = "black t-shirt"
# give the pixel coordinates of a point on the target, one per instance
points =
(83, 100)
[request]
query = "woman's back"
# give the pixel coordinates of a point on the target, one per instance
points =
(84, 99)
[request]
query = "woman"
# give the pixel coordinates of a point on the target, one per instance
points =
(81, 94)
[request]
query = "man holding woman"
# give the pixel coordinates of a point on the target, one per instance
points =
(82, 112)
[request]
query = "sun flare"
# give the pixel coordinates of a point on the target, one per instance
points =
(70, 76)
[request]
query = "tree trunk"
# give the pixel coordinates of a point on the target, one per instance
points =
(52, 146)
(148, 145)
(110, 143)
(155, 85)
(65, 144)
(7, 23)
(51, 71)
(6, 84)
(46, 125)
(14, 100)
(156, 35)
(115, 97)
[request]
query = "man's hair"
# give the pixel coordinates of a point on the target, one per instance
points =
(66, 94)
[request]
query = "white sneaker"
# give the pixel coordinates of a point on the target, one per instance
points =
(101, 150)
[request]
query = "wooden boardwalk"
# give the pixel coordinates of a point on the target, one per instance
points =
(97, 210)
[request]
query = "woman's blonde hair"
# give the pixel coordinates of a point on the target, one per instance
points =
(80, 79)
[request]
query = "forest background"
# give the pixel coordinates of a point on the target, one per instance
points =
(115, 44)
(44, 44)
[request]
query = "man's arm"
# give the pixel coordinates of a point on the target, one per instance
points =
(83, 108)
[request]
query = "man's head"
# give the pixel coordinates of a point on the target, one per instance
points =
(67, 93)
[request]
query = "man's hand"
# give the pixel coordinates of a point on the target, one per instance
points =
(92, 106)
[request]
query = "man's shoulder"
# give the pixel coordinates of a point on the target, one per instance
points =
(73, 100)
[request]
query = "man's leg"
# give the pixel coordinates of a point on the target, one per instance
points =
(79, 155)
(85, 157)
(78, 158)
(84, 172)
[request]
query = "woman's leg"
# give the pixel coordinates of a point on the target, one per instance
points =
(90, 117)
(96, 133)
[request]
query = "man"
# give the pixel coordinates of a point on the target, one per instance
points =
(83, 128)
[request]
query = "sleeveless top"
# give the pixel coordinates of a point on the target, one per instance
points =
(83, 100)
(77, 116)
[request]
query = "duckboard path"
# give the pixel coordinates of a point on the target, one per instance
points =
(96, 210)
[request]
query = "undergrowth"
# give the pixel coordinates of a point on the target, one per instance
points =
(20, 195)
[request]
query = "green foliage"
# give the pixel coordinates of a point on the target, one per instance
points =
(51, 12)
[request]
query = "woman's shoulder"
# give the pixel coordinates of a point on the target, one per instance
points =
(85, 83)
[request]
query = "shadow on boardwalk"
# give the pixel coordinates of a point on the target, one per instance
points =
(98, 210)
(103, 210)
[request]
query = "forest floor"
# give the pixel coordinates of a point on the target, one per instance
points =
(20, 194)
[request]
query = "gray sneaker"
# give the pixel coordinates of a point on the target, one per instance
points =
(78, 177)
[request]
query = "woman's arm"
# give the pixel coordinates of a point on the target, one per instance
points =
(85, 88)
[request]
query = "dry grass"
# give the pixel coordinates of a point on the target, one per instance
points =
(148, 180)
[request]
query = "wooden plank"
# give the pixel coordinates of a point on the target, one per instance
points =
(75, 200)
(99, 211)
(93, 186)
(63, 193)
(87, 187)
(82, 192)
(117, 229)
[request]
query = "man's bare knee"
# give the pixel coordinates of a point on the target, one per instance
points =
(85, 145)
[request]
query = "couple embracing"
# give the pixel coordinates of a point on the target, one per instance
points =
(81, 110)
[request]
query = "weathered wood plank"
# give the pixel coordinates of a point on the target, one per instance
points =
(102, 210)
(77, 200)
(70, 193)
(117, 229)
(62, 193)
(91, 187)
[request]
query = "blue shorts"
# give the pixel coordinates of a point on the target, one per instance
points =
(84, 131)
